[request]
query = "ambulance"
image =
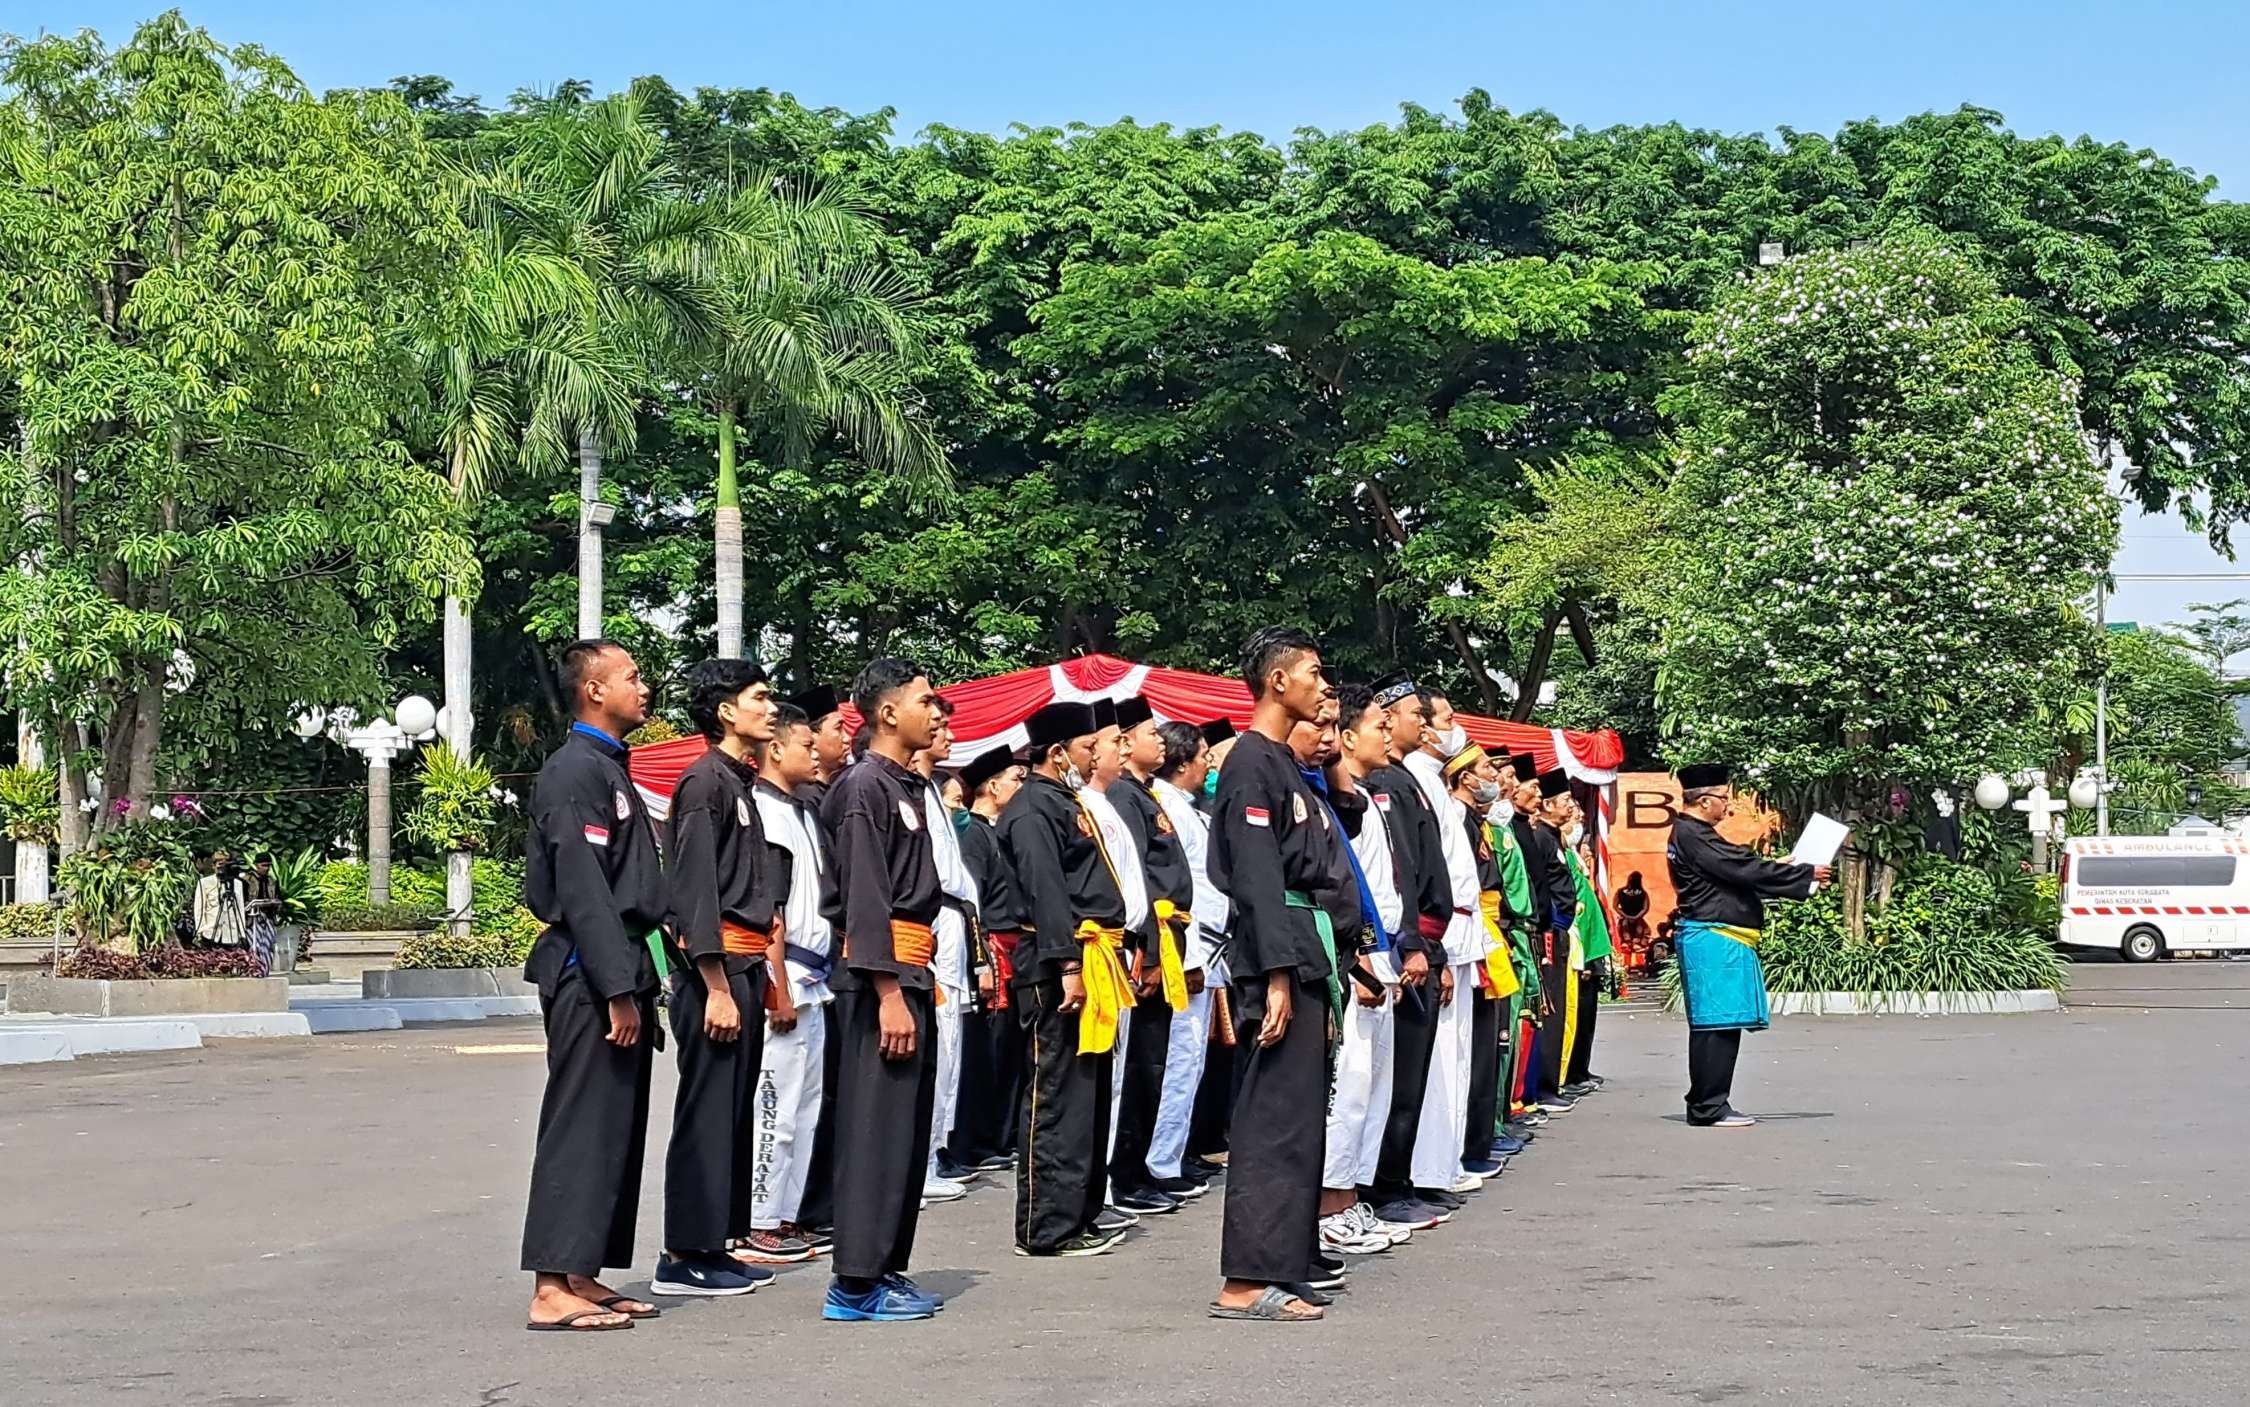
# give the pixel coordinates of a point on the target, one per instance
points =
(2148, 895)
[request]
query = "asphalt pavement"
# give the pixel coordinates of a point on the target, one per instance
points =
(1961, 1210)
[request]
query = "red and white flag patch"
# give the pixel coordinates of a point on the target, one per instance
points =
(1257, 816)
(597, 835)
(1383, 799)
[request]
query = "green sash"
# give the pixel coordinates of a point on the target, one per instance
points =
(1297, 899)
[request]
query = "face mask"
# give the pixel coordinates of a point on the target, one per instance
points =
(1453, 740)
(1502, 812)
(1211, 782)
(1572, 832)
(1072, 777)
(1487, 793)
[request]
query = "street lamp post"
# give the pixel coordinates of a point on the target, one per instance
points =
(378, 741)
(2041, 808)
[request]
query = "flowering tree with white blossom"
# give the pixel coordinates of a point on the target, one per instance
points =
(1903, 522)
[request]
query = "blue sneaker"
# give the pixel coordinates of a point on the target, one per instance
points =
(1484, 1167)
(880, 1305)
(907, 1290)
(712, 1276)
(1505, 1147)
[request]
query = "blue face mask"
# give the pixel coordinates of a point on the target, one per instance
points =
(1211, 782)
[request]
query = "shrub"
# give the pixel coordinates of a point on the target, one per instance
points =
(28, 923)
(443, 950)
(363, 917)
(129, 888)
(343, 884)
(459, 801)
(107, 965)
(515, 925)
(657, 730)
(296, 882)
(30, 804)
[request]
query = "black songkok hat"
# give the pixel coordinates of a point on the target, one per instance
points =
(984, 767)
(1392, 687)
(1105, 714)
(1059, 723)
(1524, 765)
(1133, 712)
(1218, 730)
(1554, 784)
(818, 702)
(1702, 775)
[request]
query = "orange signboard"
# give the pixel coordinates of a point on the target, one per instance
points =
(1642, 829)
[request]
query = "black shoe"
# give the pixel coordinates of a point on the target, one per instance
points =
(953, 1170)
(1326, 1264)
(1439, 1197)
(1202, 1167)
(1145, 1201)
(1310, 1293)
(1519, 1130)
(995, 1162)
(1085, 1243)
(1187, 1189)
(1109, 1221)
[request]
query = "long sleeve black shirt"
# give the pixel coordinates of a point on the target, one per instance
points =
(1419, 854)
(716, 847)
(1271, 835)
(1060, 872)
(879, 845)
(998, 894)
(1720, 882)
(1163, 858)
(591, 871)
(1554, 890)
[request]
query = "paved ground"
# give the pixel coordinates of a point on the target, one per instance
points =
(2036, 1209)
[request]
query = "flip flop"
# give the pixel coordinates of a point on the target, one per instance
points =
(650, 1312)
(1271, 1307)
(569, 1323)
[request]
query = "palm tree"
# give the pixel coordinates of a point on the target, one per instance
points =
(821, 336)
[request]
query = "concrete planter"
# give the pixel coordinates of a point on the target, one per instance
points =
(167, 996)
(420, 983)
(1913, 1003)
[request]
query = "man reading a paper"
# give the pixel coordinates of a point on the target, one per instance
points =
(1722, 888)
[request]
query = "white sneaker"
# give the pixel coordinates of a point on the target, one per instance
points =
(938, 1189)
(1469, 1182)
(1341, 1233)
(1375, 1226)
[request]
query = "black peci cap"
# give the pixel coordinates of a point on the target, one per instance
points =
(1059, 723)
(1218, 730)
(1133, 712)
(984, 767)
(1701, 775)
(818, 702)
(1554, 784)
(1392, 687)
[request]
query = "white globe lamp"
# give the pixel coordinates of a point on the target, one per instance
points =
(1992, 791)
(2085, 791)
(417, 716)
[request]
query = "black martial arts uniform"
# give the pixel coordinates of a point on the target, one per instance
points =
(1062, 1122)
(991, 1047)
(1719, 882)
(722, 907)
(1149, 1039)
(1418, 852)
(1554, 894)
(1487, 1044)
(886, 897)
(1275, 852)
(818, 1210)
(592, 876)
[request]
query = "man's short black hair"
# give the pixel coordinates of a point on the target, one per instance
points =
(1430, 694)
(1182, 741)
(576, 661)
(944, 706)
(861, 738)
(1272, 646)
(883, 677)
(716, 682)
(1352, 703)
(789, 716)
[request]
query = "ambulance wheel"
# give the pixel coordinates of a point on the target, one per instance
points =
(2143, 944)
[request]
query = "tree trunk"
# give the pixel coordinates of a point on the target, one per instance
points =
(77, 827)
(726, 532)
(148, 737)
(589, 536)
(1488, 693)
(1535, 669)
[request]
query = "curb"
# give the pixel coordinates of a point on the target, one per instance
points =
(1914, 1003)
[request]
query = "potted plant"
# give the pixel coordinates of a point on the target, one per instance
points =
(296, 887)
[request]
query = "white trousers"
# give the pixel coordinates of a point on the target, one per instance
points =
(1445, 1104)
(788, 1110)
(1359, 1102)
(1116, 1087)
(947, 1023)
(1183, 1075)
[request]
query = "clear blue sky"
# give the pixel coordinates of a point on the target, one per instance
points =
(2164, 74)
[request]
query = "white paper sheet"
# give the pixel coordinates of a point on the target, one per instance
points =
(1823, 837)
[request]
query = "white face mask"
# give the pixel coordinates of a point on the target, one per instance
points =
(1502, 812)
(1488, 794)
(1453, 740)
(1072, 777)
(1572, 832)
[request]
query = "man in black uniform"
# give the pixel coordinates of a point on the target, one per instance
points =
(722, 916)
(887, 897)
(1555, 896)
(1070, 907)
(592, 876)
(1160, 985)
(816, 1218)
(1276, 854)
(1428, 896)
(1722, 891)
(984, 1133)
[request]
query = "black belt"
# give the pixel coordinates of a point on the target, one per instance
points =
(817, 963)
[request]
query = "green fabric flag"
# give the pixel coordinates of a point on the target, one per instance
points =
(1515, 879)
(1593, 924)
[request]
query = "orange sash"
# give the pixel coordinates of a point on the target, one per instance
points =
(740, 942)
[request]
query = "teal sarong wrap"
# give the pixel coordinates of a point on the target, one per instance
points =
(1721, 977)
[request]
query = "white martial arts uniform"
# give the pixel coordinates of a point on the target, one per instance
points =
(790, 1082)
(1359, 1098)
(1191, 1029)
(1132, 883)
(1445, 1104)
(949, 964)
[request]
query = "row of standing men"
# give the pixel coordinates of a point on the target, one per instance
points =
(1362, 956)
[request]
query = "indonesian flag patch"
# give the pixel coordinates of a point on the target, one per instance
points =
(1257, 816)
(597, 835)
(1383, 799)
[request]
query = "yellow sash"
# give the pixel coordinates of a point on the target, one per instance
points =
(1168, 951)
(1499, 968)
(1107, 992)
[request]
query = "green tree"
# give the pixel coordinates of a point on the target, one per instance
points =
(212, 285)
(2172, 728)
(1901, 516)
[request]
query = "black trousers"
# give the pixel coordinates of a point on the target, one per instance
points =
(1148, 1040)
(1414, 1038)
(984, 1124)
(707, 1179)
(1582, 1044)
(1710, 1070)
(882, 1134)
(1062, 1123)
(1214, 1100)
(1554, 977)
(1485, 1055)
(819, 1205)
(1280, 1123)
(593, 1131)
